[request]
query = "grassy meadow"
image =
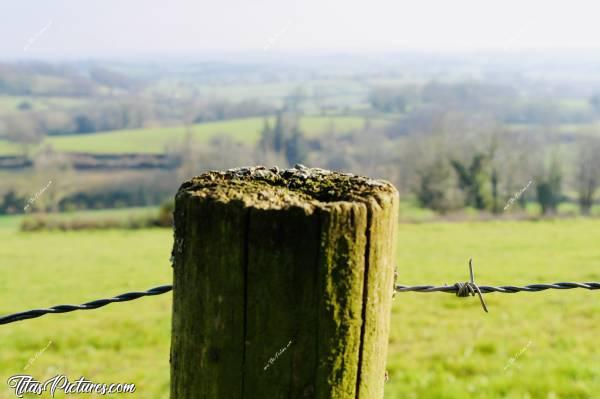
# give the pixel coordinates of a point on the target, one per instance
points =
(530, 345)
(10, 104)
(157, 139)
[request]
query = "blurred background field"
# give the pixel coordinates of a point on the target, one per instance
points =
(441, 346)
(474, 137)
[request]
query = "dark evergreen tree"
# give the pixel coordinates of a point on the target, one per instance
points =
(548, 188)
(296, 147)
(473, 181)
(267, 136)
(278, 133)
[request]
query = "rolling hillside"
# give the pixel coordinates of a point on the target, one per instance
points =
(155, 140)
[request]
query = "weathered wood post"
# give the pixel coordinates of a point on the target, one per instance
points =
(283, 283)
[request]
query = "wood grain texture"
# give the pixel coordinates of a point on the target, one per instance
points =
(282, 285)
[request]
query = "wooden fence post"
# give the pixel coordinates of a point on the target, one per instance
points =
(283, 283)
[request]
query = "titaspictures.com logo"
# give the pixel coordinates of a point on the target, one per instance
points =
(24, 384)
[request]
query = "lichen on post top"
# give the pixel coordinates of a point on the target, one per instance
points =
(274, 188)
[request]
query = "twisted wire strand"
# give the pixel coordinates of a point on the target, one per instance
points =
(129, 296)
(504, 289)
(460, 289)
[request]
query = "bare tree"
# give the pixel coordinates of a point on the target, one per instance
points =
(53, 180)
(431, 178)
(24, 129)
(188, 154)
(587, 175)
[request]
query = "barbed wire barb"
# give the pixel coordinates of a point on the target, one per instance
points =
(470, 288)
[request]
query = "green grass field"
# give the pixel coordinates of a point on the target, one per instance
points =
(530, 345)
(97, 214)
(156, 140)
(9, 148)
(10, 104)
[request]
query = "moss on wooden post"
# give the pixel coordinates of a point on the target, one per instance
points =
(282, 285)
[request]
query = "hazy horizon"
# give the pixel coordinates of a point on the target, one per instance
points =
(70, 29)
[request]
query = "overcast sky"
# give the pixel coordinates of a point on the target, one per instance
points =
(90, 28)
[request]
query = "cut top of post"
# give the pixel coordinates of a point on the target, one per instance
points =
(308, 188)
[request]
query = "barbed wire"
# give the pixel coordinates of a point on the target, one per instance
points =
(465, 289)
(460, 289)
(470, 288)
(504, 289)
(130, 296)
